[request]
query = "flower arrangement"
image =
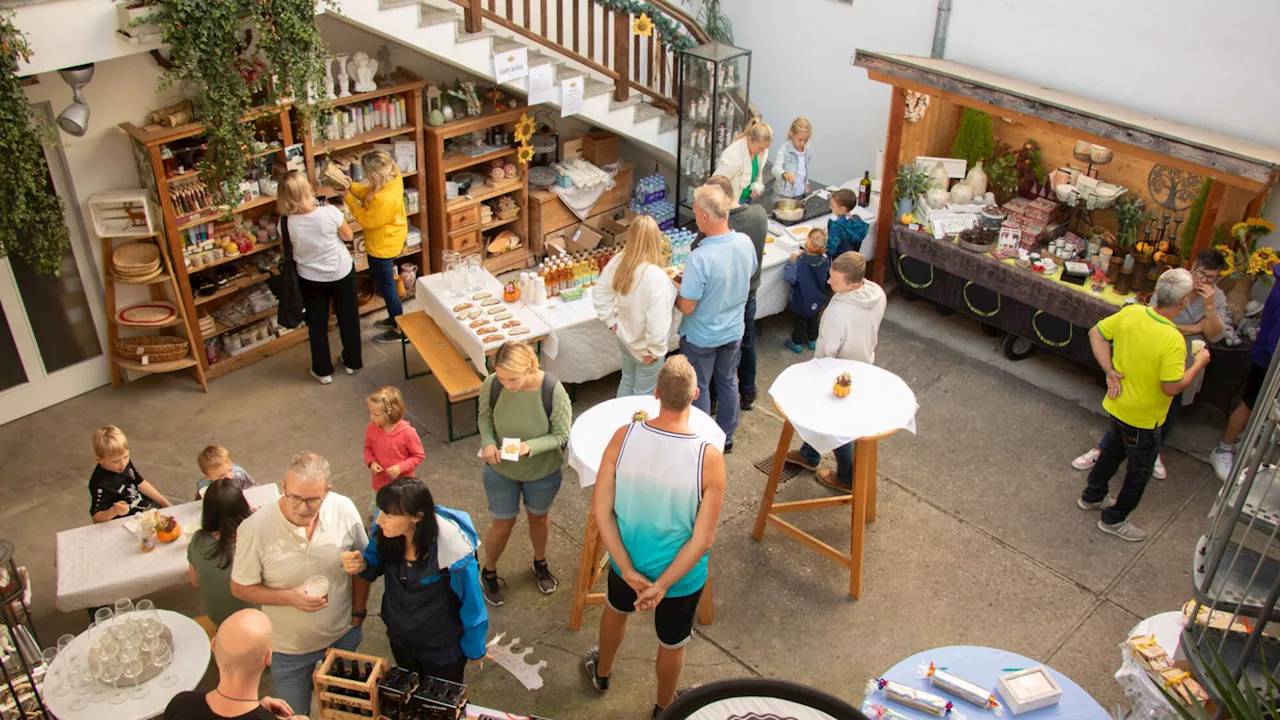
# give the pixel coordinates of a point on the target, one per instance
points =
(1228, 257)
(524, 129)
(912, 180)
(1130, 212)
(1262, 261)
(1251, 230)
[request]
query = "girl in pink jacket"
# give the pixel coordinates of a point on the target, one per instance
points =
(391, 445)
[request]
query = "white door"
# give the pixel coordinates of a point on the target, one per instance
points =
(51, 326)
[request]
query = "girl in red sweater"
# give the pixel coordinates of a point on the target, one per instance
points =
(391, 445)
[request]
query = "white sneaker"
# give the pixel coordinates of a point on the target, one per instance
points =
(1124, 530)
(322, 379)
(1087, 460)
(1222, 460)
(1158, 471)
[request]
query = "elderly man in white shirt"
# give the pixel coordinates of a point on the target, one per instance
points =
(283, 545)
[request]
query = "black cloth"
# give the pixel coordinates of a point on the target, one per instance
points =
(107, 488)
(752, 221)
(452, 671)
(1123, 442)
(317, 296)
(805, 330)
(673, 618)
(192, 706)
(291, 311)
(422, 613)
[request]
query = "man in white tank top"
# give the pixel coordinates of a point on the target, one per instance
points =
(657, 502)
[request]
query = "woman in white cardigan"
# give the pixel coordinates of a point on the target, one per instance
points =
(634, 297)
(744, 160)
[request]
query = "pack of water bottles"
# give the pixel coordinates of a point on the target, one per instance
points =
(681, 241)
(650, 189)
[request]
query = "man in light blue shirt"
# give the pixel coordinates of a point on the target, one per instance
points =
(713, 296)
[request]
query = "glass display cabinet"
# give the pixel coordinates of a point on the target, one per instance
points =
(715, 82)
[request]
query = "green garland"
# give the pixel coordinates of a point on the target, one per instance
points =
(673, 33)
(1194, 215)
(974, 138)
(32, 225)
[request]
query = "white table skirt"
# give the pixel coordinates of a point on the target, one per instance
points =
(190, 661)
(581, 347)
(98, 564)
(593, 429)
(879, 402)
(439, 302)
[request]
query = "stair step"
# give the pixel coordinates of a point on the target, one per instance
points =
(461, 34)
(428, 15)
(537, 58)
(629, 102)
(593, 87)
(668, 123)
(501, 45)
(646, 111)
(388, 4)
(1234, 588)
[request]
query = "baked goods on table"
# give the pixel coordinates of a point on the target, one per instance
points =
(639, 416)
(462, 306)
(492, 339)
(481, 295)
(489, 301)
(518, 331)
(510, 324)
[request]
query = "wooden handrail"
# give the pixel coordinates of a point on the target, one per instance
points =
(690, 25)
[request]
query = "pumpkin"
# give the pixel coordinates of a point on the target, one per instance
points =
(907, 219)
(167, 529)
(843, 385)
(510, 292)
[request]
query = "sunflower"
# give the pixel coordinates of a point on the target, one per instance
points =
(643, 25)
(1228, 257)
(1262, 261)
(524, 129)
(525, 154)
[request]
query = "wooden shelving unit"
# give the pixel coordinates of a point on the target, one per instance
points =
(455, 224)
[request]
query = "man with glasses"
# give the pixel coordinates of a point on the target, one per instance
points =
(1204, 318)
(294, 546)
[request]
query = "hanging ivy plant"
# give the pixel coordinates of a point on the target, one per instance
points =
(673, 33)
(32, 225)
(239, 54)
(715, 22)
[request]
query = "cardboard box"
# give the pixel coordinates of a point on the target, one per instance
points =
(582, 238)
(600, 148)
(617, 225)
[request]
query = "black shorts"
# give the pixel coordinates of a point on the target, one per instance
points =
(1253, 385)
(673, 618)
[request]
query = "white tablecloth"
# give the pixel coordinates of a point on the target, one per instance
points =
(593, 429)
(581, 348)
(190, 660)
(879, 402)
(1146, 700)
(439, 302)
(98, 564)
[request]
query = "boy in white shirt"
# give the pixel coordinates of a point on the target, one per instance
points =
(849, 330)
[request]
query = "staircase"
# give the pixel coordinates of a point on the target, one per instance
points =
(629, 80)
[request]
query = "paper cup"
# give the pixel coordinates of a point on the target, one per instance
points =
(316, 586)
(1196, 346)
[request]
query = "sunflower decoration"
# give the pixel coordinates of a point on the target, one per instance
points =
(1229, 258)
(1262, 261)
(525, 154)
(524, 129)
(643, 25)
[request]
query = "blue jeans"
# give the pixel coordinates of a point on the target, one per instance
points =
(1139, 447)
(292, 673)
(718, 365)
(747, 363)
(844, 461)
(637, 378)
(383, 272)
(1174, 406)
(504, 494)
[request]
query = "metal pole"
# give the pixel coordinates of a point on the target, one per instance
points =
(940, 29)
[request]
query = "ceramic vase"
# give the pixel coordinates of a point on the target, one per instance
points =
(1239, 295)
(977, 180)
(904, 205)
(344, 87)
(328, 80)
(364, 69)
(961, 194)
(938, 177)
(937, 197)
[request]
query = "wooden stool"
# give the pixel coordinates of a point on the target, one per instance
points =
(590, 568)
(863, 500)
(207, 625)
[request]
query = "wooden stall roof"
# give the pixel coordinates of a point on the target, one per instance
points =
(1235, 162)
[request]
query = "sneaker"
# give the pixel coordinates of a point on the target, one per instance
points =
(795, 458)
(657, 711)
(728, 446)
(494, 588)
(828, 478)
(322, 379)
(387, 336)
(1158, 471)
(547, 582)
(387, 323)
(793, 347)
(589, 663)
(747, 401)
(1087, 460)
(813, 344)
(1102, 504)
(1222, 460)
(1124, 530)
(348, 370)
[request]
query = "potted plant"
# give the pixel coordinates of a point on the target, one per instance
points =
(1248, 262)
(1002, 173)
(1129, 216)
(911, 183)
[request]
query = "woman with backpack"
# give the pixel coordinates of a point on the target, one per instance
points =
(522, 402)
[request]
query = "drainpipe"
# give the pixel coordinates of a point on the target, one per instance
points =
(940, 29)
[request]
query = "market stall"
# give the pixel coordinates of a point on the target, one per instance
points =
(1039, 212)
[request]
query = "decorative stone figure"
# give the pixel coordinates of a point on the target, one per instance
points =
(364, 68)
(343, 84)
(328, 79)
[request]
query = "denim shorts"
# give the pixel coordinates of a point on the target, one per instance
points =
(504, 494)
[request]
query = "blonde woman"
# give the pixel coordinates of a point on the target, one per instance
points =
(744, 160)
(634, 298)
(314, 235)
(520, 400)
(378, 205)
(791, 165)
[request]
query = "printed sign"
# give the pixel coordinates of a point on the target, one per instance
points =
(571, 96)
(541, 84)
(512, 65)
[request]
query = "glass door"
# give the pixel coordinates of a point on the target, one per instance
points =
(51, 345)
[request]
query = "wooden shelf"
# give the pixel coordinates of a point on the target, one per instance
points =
(256, 249)
(236, 286)
(403, 82)
(174, 321)
(220, 329)
(325, 191)
(510, 260)
(454, 160)
(135, 366)
(242, 207)
(408, 251)
(499, 223)
(248, 357)
(489, 193)
(159, 135)
(161, 278)
(466, 125)
(325, 147)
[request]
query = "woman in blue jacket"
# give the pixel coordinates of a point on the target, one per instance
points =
(432, 604)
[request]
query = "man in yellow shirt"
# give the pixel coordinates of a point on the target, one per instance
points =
(1143, 355)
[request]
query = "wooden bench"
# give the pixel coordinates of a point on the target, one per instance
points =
(459, 381)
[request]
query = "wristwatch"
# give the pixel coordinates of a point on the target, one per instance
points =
(362, 614)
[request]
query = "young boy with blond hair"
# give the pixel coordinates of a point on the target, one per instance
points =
(215, 464)
(807, 273)
(116, 489)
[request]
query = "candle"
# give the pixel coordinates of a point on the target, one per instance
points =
(1128, 262)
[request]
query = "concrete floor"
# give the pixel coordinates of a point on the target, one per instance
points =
(977, 541)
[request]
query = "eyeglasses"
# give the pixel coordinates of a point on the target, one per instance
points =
(295, 501)
(1204, 275)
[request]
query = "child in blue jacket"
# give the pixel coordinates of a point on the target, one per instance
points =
(807, 273)
(432, 603)
(845, 231)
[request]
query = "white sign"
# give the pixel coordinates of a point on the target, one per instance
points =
(541, 82)
(571, 96)
(513, 65)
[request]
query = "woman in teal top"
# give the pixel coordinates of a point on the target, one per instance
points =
(213, 547)
(521, 402)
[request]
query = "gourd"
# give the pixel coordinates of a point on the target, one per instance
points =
(843, 385)
(510, 292)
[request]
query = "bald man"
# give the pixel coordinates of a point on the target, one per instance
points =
(242, 649)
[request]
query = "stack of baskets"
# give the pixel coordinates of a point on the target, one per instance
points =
(152, 349)
(136, 262)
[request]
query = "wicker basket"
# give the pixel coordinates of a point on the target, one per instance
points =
(508, 214)
(134, 256)
(157, 348)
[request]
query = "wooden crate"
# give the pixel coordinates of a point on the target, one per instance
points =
(331, 702)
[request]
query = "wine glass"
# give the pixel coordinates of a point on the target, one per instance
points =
(53, 684)
(149, 619)
(124, 606)
(110, 674)
(71, 653)
(132, 670)
(82, 685)
(163, 659)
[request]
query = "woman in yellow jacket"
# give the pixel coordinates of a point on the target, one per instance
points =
(378, 205)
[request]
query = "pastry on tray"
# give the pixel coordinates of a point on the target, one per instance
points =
(503, 316)
(492, 339)
(518, 330)
(489, 301)
(473, 314)
(496, 309)
(510, 324)
(481, 296)
(485, 330)
(462, 306)
(479, 323)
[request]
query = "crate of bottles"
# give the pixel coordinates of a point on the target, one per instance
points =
(650, 189)
(679, 242)
(346, 684)
(439, 699)
(567, 271)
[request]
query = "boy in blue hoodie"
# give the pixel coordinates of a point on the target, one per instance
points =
(1264, 346)
(845, 231)
(807, 273)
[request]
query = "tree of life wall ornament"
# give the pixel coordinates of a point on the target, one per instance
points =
(1172, 188)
